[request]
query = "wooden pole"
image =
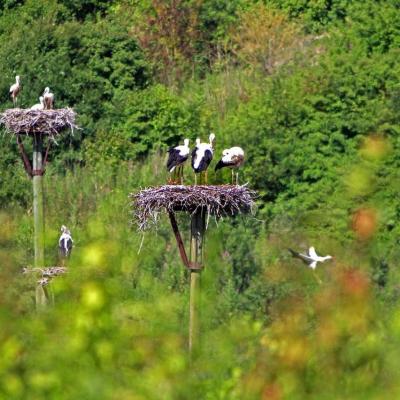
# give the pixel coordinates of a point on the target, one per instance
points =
(38, 214)
(197, 231)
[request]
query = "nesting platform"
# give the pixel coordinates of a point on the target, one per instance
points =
(46, 273)
(217, 200)
(45, 122)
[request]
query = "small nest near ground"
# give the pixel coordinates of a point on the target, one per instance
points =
(31, 122)
(219, 201)
(47, 273)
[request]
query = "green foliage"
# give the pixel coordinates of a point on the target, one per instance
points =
(86, 65)
(321, 134)
(317, 14)
(154, 118)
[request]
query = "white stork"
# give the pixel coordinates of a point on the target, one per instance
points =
(312, 258)
(177, 158)
(232, 158)
(48, 99)
(39, 106)
(65, 242)
(14, 90)
(202, 156)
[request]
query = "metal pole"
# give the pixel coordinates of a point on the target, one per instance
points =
(197, 231)
(38, 214)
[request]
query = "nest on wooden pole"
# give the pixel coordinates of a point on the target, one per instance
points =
(199, 201)
(29, 122)
(46, 273)
(216, 200)
(37, 124)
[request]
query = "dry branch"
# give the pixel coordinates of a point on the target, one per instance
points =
(219, 201)
(46, 122)
(46, 273)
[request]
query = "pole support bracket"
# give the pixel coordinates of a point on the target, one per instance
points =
(189, 265)
(27, 164)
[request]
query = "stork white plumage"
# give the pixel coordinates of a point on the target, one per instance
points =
(48, 99)
(15, 89)
(65, 242)
(231, 158)
(312, 258)
(176, 160)
(202, 156)
(40, 105)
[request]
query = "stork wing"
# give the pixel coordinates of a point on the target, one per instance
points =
(194, 156)
(308, 260)
(312, 253)
(313, 265)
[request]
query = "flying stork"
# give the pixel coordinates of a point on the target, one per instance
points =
(312, 258)
(14, 90)
(65, 242)
(48, 99)
(177, 158)
(232, 158)
(202, 156)
(39, 106)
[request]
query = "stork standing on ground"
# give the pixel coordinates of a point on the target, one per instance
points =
(311, 259)
(202, 156)
(65, 242)
(48, 98)
(176, 159)
(15, 89)
(40, 105)
(232, 158)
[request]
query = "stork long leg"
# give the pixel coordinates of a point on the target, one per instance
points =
(237, 178)
(176, 174)
(182, 174)
(195, 178)
(232, 175)
(173, 176)
(178, 177)
(316, 277)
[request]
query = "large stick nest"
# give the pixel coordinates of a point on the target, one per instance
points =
(219, 201)
(45, 122)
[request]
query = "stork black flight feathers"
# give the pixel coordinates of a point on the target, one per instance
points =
(177, 157)
(202, 156)
(201, 163)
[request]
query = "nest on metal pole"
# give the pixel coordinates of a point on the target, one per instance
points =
(216, 200)
(29, 122)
